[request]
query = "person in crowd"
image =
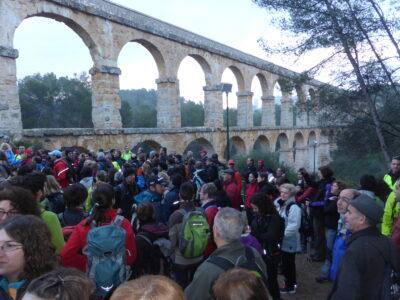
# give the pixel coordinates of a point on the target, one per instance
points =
(267, 227)
(148, 232)
(74, 197)
(369, 186)
(331, 218)
(231, 189)
(339, 246)
(127, 154)
(261, 166)
(250, 167)
(7, 149)
(227, 230)
(34, 182)
(183, 268)
(172, 196)
(54, 200)
(17, 201)
(61, 284)
(291, 213)
(60, 168)
(70, 159)
(210, 206)
(26, 253)
(125, 192)
(86, 176)
(307, 186)
(103, 197)
(237, 176)
(149, 287)
(394, 173)
(239, 283)
(5, 170)
(392, 210)
(154, 194)
(251, 188)
(317, 212)
(262, 180)
(281, 177)
(221, 197)
(362, 271)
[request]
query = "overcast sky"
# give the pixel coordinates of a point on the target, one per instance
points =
(48, 46)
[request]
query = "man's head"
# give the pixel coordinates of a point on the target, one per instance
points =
(228, 226)
(21, 149)
(207, 192)
(344, 199)
(186, 192)
(362, 212)
(228, 174)
(157, 184)
(129, 175)
(250, 161)
(395, 165)
(231, 164)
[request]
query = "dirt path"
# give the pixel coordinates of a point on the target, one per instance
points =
(307, 288)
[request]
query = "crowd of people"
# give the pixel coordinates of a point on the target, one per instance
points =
(124, 224)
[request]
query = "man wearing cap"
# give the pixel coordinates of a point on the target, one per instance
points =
(368, 252)
(154, 194)
(231, 189)
(237, 177)
(60, 168)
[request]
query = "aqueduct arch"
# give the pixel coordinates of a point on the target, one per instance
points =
(168, 45)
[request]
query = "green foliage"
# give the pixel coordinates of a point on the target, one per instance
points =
(141, 108)
(29, 143)
(257, 115)
(271, 160)
(51, 102)
(277, 114)
(192, 114)
(232, 117)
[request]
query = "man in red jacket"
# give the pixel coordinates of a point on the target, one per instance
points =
(237, 177)
(231, 189)
(60, 168)
(209, 204)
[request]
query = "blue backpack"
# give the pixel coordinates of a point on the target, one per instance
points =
(106, 256)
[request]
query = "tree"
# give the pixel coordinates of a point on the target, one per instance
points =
(51, 102)
(192, 114)
(353, 32)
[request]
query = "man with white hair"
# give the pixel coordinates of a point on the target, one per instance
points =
(227, 229)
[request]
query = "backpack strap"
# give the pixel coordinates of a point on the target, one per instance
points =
(221, 262)
(249, 254)
(287, 208)
(118, 220)
(144, 237)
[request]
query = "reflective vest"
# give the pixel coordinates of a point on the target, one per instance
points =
(388, 179)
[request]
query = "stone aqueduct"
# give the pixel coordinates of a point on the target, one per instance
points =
(106, 28)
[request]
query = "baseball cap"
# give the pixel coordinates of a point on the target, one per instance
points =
(157, 180)
(368, 207)
(56, 153)
(229, 171)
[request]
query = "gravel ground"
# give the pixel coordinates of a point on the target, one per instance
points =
(307, 288)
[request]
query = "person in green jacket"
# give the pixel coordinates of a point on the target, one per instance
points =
(392, 209)
(127, 154)
(34, 182)
(394, 174)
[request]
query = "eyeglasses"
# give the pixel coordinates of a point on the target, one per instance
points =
(9, 246)
(10, 213)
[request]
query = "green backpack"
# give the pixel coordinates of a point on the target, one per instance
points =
(194, 234)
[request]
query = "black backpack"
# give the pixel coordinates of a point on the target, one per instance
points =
(306, 227)
(247, 261)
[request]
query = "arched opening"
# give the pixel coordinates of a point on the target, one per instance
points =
(147, 146)
(298, 145)
(192, 78)
(236, 146)
(140, 63)
(199, 145)
(55, 56)
(278, 103)
(233, 76)
(282, 147)
(311, 105)
(262, 144)
(258, 87)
